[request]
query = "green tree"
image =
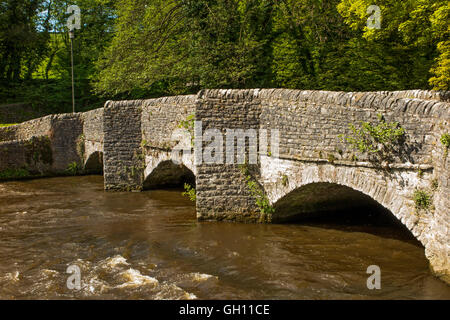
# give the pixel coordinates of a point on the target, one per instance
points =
(23, 37)
(412, 38)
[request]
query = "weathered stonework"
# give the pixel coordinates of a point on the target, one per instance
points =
(138, 140)
(48, 146)
(123, 154)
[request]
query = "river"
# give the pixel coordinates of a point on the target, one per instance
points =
(149, 246)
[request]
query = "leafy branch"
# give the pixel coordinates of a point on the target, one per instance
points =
(189, 192)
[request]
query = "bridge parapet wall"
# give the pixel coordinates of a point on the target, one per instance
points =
(40, 147)
(312, 122)
(48, 145)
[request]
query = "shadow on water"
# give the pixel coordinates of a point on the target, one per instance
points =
(339, 207)
(372, 219)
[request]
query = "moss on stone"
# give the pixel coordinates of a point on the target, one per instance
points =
(39, 149)
(14, 174)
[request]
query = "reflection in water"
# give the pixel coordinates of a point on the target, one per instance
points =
(149, 246)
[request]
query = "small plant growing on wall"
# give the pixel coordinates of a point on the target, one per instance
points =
(434, 184)
(189, 192)
(189, 125)
(80, 146)
(331, 158)
(73, 169)
(422, 199)
(377, 140)
(257, 193)
(445, 140)
(285, 180)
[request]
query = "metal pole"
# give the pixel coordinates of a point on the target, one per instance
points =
(73, 86)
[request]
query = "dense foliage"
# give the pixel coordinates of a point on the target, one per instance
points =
(148, 48)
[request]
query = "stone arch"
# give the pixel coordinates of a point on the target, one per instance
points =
(94, 162)
(393, 190)
(168, 174)
(322, 198)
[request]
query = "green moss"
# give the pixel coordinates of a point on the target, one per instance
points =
(420, 173)
(14, 174)
(434, 184)
(39, 149)
(80, 146)
(445, 140)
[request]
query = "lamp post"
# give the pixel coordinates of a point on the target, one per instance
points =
(74, 22)
(72, 36)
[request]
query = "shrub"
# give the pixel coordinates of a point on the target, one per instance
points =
(375, 139)
(73, 169)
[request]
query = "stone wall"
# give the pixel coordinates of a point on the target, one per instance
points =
(221, 188)
(27, 130)
(47, 146)
(123, 165)
(161, 117)
(311, 123)
(418, 94)
(24, 158)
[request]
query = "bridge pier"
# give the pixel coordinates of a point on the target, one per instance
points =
(123, 154)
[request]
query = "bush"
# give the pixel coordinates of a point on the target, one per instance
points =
(377, 139)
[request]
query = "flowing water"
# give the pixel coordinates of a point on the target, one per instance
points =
(150, 246)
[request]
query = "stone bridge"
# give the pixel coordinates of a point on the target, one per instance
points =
(132, 143)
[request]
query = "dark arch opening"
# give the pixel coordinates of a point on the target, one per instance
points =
(169, 175)
(94, 164)
(339, 207)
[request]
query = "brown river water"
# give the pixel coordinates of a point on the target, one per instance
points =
(149, 246)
